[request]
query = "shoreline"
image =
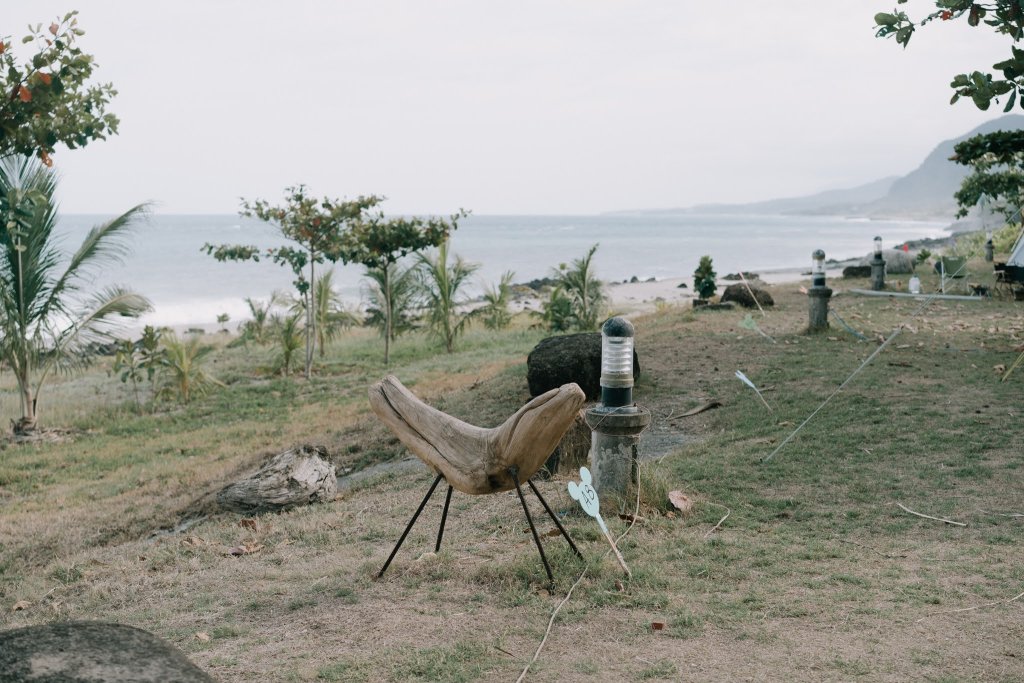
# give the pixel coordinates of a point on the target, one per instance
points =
(624, 297)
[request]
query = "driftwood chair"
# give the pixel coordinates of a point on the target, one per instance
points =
(476, 460)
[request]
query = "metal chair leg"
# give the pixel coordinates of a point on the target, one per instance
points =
(444, 518)
(514, 471)
(408, 527)
(554, 519)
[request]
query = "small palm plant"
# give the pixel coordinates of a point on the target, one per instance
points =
(585, 292)
(393, 294)
(183, 375)
(48, 321)
(288, 332)
(442, 287)
(494, 312)
(330, 317)
(256, 328)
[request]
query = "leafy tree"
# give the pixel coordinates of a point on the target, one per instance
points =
(315, 228)
(183, 375)
(442, 285)
(47, 320)
(139, 360)
(401, 299)
(494, 312)
(378, 243)
(704, 278)
(1005, 17)
(997, 163)
(585, 292)
(46, 100)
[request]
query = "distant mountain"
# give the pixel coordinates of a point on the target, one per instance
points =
(923, 194)
(927, 192)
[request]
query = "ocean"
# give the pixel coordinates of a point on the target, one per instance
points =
(187, 287)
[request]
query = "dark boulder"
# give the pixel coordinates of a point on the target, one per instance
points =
(745, 296)
(92, 652)
(857, 271)
(569, 358)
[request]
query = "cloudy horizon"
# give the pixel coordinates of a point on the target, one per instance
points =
(506, 108)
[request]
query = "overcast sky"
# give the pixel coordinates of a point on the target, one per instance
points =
(548, 106)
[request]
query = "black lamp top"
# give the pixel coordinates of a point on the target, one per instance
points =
(617, 327)
(818, 255)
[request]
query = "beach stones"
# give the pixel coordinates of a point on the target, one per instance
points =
(92, 652)
(569, 358)
(745, 296)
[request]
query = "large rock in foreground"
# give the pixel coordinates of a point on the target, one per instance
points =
(745, 296)
(299, 476)
(92, 652)
(569, 358)
(897, 261)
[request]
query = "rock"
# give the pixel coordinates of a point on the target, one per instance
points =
(702, 305)
(857, 271)
(634, 279)
(296, 477)
(92, 652)
(681, 285)
(741, 294)
(569, 358)
(897, 262)
(741, 275)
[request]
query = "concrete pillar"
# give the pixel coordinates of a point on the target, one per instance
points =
(819, 297)
(613, 450)
(878, 273)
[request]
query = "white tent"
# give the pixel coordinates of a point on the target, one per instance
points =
(1017, 252)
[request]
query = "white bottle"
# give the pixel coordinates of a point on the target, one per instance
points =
(914, 285)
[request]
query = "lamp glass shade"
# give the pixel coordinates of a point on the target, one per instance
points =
(878, 246)
(818, 262)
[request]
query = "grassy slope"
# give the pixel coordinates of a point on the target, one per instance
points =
(816, 574)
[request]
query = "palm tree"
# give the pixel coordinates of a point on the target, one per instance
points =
(494, 312)
(288, 331)
(255, 329)
(329, 314)
(584, 290)
(47, 319)
(183, 374)
(442, 284)
(393, 295)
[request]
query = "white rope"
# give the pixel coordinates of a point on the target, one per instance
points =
(895, 333)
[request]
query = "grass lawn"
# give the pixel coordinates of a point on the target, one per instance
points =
(815, 574)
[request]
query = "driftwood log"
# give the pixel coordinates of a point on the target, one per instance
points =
(473, 459)
(92, 652)
(296, 477)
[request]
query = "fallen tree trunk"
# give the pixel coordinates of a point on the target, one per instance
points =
(298, 476)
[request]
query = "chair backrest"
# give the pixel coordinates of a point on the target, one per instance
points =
(953, 265)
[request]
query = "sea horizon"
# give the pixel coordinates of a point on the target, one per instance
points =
(188, 287)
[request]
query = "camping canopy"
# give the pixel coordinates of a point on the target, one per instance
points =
(1017, 252)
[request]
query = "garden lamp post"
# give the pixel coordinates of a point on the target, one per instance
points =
(989, 249)
(878, 267)
(617, 422)
(818, 294)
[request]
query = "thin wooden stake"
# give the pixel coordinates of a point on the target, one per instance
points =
(968, 609)
(937, 519)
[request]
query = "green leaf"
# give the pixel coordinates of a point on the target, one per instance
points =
(885, 19)
(1011, 101)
